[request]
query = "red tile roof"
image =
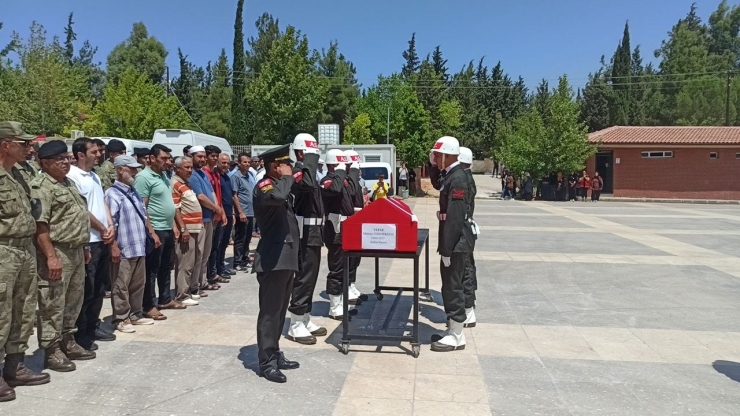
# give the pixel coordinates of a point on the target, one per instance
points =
(666, 135)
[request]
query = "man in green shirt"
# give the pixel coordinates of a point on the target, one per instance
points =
(154, 188)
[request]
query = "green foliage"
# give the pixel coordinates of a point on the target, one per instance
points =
(358, 132)
(133, 108)
(412, 59)
(140, 52)
(214, 99)
(238, 109)
(539, 147)
(344, 91)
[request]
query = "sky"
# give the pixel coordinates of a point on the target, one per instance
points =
(533, 38)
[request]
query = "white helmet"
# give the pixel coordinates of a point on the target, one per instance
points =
(336, 157)
(354, 157)
(447, 145)
(466, 156)
(305, 142)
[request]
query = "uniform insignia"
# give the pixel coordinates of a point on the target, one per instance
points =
(458, 193)
(265, 186)
(327, 184)
(298, 176)
(36, 208)
(346, 184)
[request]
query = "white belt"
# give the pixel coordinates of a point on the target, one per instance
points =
(313, 221)
(358, 209)
(442, 216)
(336, 220)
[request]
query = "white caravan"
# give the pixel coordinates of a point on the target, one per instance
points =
(178, 139)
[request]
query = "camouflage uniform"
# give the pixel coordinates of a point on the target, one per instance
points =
(107, 173)
(28, 172)
(60, 301)
(17, 266)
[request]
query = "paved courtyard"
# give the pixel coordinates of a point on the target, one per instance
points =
(583, 309)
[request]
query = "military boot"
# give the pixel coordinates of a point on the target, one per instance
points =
(6, 392)
(17, 374)
(74, 351)
(54, 359)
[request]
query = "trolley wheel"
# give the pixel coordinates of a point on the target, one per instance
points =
(345, 348)
(415, 351)
(379, 296)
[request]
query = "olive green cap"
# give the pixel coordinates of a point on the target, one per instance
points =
(13, 130)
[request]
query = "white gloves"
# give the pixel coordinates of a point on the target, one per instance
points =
(431, 159)
(446, 261)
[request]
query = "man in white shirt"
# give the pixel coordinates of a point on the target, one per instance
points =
(102, 234)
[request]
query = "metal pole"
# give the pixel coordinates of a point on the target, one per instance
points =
(167, 81)
(727, 101)
(388, 127)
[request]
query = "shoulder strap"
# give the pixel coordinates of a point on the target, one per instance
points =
(132, 202)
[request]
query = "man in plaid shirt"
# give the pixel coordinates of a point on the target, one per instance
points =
(128, 251)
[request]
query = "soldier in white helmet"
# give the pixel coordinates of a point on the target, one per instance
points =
(470, 279)
(338, 206)
(309, 211)
(455, 238)
(358, 202)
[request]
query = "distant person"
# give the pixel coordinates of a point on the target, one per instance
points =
(597, 184)
(572, 186)
(583, 184)
(403, 179)
(527, 187)
(380, 189)
(412, 182)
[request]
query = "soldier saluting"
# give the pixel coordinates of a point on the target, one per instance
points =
(455, 240)
(309, 210)
(276, 258)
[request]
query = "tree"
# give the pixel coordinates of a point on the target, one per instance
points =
(185, 86)
(4, 51)
(70, 37)
(621, 80)
(358, 132)
(595, 102)
(215, 100)
(412, 59)
(238, 104)
(439, 63)
(343, 89)
(287, 95)
(140, 52)
(133, 108)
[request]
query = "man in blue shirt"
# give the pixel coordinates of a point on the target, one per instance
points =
(200, 184)
(242, 184)
(221, 240)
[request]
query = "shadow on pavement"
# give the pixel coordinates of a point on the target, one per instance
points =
(730, 369)
(248, 357)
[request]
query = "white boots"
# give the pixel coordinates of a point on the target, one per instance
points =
(469, 318)
(298, 331)
(355, 296)
(336, 308)
(314, 329)
(453, 340)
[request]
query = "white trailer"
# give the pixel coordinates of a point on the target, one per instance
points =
(385, 153)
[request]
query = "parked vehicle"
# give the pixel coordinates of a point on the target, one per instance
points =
(130, 144)
(178, 139)
(371, 171)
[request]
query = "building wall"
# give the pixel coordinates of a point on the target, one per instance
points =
(689, 174)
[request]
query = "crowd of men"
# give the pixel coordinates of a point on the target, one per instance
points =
(71, 232)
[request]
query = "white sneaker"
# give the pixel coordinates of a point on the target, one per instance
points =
(469, 318)
(142, 321)
(125, 326)
(453, 340)
(190, 302)
(195, 297)
(298, 331)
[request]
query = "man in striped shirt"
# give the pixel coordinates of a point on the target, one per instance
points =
(190, 240)
(128, 251)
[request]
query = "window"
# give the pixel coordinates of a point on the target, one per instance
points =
(713, 155)
(737, 155)
(657, 154)
(372, 158)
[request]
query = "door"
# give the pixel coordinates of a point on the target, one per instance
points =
(605, 167)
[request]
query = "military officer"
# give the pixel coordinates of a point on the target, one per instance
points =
(276, 258)
(309, 211)
(17, 265)
(106, 171)
(358, 202)
(470, 279)
(62, 233)
(338, 205)
(455, 240)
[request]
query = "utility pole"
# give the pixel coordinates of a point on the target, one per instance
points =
(727, 101)
(167, 81)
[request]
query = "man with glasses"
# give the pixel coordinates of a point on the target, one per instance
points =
(62, 234)
(18, 271)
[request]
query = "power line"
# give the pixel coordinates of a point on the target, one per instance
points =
(186, 111)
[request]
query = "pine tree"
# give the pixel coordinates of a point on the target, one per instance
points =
(238, 110)
(70, 37)
(412, 59)
(439, 63)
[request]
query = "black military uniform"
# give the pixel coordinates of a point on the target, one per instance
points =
(455, 238)
(358, 202)
(337, 202)
(309, 209)
(275, 262)
(470, 278)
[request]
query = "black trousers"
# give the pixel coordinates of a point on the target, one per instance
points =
(97, 272)
(595, 195)
(242, 239)
(212, 268)
(470, 281)
(274, 296)
(453, 292)
(158, 267)
(309, 260)
(335, 262)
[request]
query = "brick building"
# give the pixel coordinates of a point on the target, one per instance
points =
(668, 162)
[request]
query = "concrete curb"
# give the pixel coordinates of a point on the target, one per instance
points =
(672, 201)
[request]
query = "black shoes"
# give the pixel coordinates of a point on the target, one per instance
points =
(285, 364)
(274, 375)
(103, 335)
